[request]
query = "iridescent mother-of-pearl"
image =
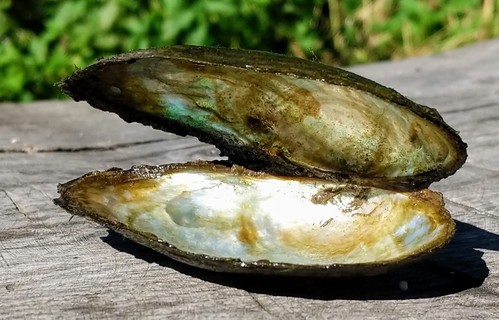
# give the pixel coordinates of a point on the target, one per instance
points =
(223, 213)
(311, 123)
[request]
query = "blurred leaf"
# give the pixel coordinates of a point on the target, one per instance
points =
(41, 41)
(38, 50)
(198, 35)
(108, 15)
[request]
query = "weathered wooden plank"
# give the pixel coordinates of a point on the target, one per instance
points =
(63, 249)
(64, 125)
(59, 166)
(54, 265)
(78, 263)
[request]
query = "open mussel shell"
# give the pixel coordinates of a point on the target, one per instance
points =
(277, 114)
(235, 220)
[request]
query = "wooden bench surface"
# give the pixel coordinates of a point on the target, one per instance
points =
(52, 264)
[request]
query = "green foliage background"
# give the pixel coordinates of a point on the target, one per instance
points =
(42, 41)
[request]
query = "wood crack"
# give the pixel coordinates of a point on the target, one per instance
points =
(467, 207)
(261, 306)
(496, 172)
(471, 108)
(82, 149)
(489, 119)
(3, 259)
(12, 200)
(18, 207)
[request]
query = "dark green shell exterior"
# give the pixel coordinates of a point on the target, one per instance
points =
(86, 85)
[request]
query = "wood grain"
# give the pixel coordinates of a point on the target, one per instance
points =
(54, 265)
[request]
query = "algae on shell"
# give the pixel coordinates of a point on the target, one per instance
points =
(277, 114)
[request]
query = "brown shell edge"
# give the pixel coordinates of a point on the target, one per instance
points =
(227, 264)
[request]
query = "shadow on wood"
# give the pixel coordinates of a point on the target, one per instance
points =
(457, 267)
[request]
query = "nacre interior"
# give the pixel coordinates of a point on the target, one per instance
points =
(262, 217)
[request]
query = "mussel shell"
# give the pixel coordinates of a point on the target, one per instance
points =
(278, 114)
(230, 219)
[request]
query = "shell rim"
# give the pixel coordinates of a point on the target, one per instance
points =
(232, 265)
